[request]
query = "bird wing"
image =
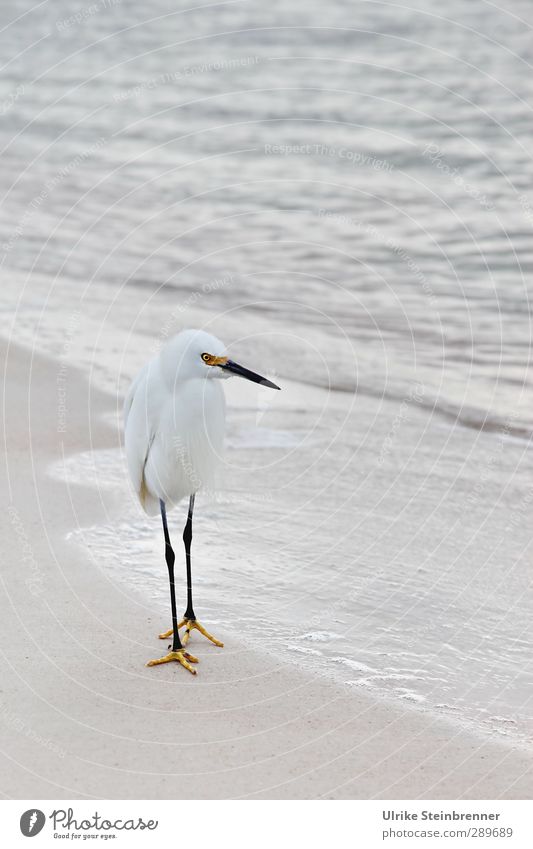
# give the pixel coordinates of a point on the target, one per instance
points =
(131, 392)
(140, 426)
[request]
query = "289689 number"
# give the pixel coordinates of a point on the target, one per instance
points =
(491, 832)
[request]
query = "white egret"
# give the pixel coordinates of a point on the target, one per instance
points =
(174, 419)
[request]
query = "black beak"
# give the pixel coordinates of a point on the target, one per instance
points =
(235, 368)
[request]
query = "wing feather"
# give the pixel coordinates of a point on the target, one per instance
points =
(140, 424)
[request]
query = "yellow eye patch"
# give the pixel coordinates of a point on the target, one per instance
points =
(211, 360)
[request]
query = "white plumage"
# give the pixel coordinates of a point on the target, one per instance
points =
(174, 421)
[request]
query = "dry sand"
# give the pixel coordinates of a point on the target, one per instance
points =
(80, 714)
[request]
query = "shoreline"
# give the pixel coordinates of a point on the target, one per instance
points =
(98, 724)
(155, 585)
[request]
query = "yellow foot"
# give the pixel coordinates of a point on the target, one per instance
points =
(181, 656)
(191, 625)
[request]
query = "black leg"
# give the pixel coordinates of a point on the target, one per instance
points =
(187, 539)
(170, 558)
(189, 619)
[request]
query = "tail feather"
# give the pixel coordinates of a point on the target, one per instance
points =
(149, 504)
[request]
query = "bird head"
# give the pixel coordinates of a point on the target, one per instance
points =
(200, 354)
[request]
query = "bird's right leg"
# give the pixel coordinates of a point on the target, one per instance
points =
(178, 653)
(189, 620)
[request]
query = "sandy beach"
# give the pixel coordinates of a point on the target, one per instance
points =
(82, 717)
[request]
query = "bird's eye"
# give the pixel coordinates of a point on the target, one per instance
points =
(206, 358)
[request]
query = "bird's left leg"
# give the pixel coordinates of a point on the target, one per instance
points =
(189, 620)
